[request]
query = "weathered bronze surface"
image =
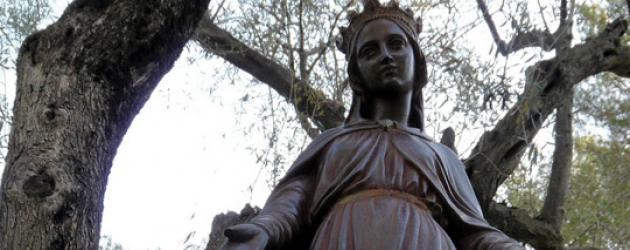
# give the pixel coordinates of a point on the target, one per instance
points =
(377, 182)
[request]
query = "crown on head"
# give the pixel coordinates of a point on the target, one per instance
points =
(372, 10)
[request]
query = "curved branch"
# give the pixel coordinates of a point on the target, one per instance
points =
(493, 28)
(517, 224)
(326, 113)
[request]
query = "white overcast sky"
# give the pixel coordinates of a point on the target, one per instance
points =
(182, 161)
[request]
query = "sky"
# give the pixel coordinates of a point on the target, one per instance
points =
(183, 161)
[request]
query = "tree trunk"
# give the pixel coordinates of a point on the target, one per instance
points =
(80, 83)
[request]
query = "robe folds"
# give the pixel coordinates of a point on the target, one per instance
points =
(428, 202)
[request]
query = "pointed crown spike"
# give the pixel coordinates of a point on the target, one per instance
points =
(371, 5)
(394, 4)
(352, 14)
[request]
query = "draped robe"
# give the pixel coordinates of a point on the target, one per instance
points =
(304, 210)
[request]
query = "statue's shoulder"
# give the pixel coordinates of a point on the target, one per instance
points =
(305, 162)
(443, 148)
(448, 156)
(326, 136)
(333, 133)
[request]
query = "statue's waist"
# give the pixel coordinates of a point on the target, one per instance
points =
(371, 193)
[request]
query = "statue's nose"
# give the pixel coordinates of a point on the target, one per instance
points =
(386, 56)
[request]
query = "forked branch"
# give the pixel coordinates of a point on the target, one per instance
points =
(534, 38)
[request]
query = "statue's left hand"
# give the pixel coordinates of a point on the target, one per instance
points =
(245, 237)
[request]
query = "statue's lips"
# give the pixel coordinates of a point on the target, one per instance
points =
(389, 70)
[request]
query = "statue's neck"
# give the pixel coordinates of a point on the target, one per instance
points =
(396, 109)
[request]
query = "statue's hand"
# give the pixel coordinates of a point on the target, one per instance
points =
(245, 237)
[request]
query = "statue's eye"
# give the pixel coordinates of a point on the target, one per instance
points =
(396, 43)
(368, 52)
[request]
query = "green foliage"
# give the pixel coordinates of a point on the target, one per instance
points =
(604, 102)
(18, 18)
(599, 198)
(295, 34)
(526, 187)
(593, 16)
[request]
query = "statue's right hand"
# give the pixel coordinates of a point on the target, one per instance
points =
(245, 237)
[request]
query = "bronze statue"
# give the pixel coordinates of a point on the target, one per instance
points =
(377, 182)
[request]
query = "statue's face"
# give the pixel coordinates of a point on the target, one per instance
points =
(385, 59)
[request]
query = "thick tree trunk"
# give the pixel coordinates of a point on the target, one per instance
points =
(80, 84)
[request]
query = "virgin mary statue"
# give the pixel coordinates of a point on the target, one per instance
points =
(378, 182)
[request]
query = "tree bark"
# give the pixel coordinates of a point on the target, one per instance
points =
(553, 209)
(81, 81)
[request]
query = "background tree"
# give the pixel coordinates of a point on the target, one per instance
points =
(80, 82)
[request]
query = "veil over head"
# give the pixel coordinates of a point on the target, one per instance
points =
(416, 116)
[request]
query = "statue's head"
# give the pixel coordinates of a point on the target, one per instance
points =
(349, 41)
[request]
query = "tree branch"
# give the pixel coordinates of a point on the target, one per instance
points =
(517, 224)
(553, 209)
(497, 154)
(546, 83)
(563, 13)
(493, 28)
(326, 113)
(535, 38)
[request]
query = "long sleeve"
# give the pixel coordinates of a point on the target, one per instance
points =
(285, 212)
